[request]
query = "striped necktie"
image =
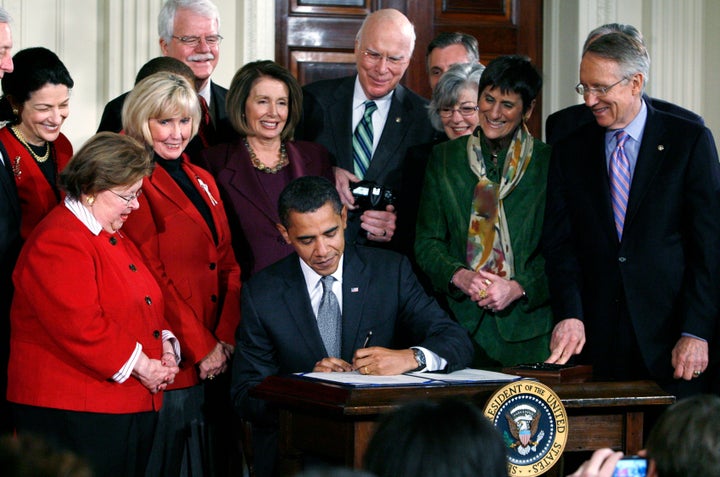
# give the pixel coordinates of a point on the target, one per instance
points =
(620, 178)
(329, 318)
(363, 141)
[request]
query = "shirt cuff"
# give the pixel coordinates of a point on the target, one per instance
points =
(433, 362)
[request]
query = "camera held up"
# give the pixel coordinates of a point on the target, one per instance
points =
(371, 196)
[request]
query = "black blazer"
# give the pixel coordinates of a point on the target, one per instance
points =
(562, 123)
(279, 335)
(664, 273)
(327, 119)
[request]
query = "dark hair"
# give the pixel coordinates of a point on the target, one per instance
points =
(165, 64)
(685, 441)
(243, 82)
(445, 39)
(106, 160)
(307, 194)
(515, 74)
(436, 439)
(34, 68)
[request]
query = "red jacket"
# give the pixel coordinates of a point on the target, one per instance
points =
(81, 304)
(37, 196)
(200, 280)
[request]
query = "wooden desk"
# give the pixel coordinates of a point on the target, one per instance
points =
(336, 422)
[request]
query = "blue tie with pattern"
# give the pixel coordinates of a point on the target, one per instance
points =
(619, 181)
(363, 141)
(329, 322)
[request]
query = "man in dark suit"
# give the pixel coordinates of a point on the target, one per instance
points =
(448, 49)
(333, 109)
(562, 123)
(633, 264)
(378, 296)
(189, 32)
(9, 229)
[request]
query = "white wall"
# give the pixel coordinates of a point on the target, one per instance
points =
(104, 43)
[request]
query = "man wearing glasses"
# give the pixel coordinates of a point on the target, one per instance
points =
(561, 123)
(632, 233)
(189, 32)
(368, 121)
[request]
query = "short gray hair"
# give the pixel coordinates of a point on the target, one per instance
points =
(625, 28)
(630, 55)
(5, 16)
(166, 18)
(446, 93)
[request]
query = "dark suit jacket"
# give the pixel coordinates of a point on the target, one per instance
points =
(252, 210)
(663, 275)
(327, 119)
(279, 333)
(562, 123)
(9, 249)
(112, 120)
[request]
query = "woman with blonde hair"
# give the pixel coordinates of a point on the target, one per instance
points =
(183, 233)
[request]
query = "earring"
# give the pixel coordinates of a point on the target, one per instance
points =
(90, 200)
(15, 111)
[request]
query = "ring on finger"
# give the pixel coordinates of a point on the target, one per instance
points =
(487, 282)
(365, 370)
(483, 294)
(211, 377)
(697, 373)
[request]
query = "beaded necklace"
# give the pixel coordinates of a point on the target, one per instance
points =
(21, 138)
(262, 167)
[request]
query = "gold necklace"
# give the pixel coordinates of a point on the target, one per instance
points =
(262, 167)
(24, 142)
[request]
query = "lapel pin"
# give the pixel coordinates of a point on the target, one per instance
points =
(661, 147)
(354, 290)
(398, 119)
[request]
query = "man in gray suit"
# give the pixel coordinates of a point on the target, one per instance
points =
(333, 110)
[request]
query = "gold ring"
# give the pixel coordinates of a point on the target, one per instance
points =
(487, 282)
(211, 377)
(483, 294)
(366, 370)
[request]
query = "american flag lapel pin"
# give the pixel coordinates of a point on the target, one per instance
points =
(354, 289)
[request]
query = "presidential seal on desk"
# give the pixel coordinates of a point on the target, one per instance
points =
(533, 423)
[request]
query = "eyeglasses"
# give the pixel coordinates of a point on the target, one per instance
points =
(599, 91)
(465, 111)
(193, 41)
(373, 57)
(130, 198)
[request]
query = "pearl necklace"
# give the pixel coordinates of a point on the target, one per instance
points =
(24, 142)
(262, 167)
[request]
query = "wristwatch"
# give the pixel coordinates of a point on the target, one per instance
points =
(420, 359)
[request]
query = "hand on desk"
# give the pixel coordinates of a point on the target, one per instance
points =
(383, 361)
(332, 365)
(601, 464)
(568, 338)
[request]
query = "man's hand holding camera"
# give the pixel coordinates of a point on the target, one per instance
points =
(379, 224)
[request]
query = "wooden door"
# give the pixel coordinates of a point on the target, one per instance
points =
(315, 38)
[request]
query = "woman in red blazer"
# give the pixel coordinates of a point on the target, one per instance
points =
(182, 230)
(36, 104)
(263, 104)
(89, 345)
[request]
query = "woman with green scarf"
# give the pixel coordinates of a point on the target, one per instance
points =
(480, 220)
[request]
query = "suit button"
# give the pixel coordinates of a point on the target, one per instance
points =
(156, 334)
(213, 266)
(213, 298)
(148, 300)
(113, 241)
(622, 259)
(133, 268)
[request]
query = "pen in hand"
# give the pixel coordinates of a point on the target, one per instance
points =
(367, 339)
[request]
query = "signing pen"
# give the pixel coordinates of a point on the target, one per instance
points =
(367, 339)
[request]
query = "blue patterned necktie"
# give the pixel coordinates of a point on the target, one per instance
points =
(619, 181)
(329, 318)
(363, 141)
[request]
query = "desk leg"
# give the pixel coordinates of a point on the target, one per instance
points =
(633, 432)
(363, 432)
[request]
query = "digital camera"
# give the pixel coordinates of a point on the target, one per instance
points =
(631, 466)
(371, 196)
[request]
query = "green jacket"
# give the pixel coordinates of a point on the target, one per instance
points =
(441, 243)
